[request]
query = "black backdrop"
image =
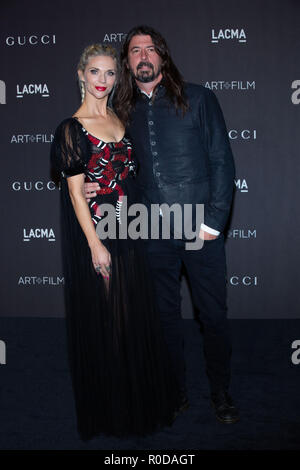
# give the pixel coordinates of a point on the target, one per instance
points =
(247, 52)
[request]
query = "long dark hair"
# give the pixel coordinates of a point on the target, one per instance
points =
(125, 93)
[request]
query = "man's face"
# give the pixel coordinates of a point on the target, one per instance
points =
(143, 60)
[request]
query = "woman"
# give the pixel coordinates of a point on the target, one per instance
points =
(121, 374)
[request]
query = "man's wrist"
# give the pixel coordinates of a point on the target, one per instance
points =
(210, 230)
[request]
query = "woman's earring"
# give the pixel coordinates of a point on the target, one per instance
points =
(82, 90)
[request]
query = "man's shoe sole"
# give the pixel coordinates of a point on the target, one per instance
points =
(228, 421)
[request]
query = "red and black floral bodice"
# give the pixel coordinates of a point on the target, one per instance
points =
(110, 164)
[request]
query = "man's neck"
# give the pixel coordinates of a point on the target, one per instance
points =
(149, 87)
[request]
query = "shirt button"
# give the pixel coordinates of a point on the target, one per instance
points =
(153, 142)
(151, 123)
(157, 173)
(154, 154)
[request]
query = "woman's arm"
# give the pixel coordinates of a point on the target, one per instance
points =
(100, 255)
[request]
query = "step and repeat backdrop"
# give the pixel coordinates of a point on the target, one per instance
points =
(246, 52)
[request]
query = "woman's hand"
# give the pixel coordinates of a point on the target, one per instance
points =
(101, 259)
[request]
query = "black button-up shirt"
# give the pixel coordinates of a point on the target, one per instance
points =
(184, 159)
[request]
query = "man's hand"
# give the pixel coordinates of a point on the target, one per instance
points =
(206, 236)
(90, 190)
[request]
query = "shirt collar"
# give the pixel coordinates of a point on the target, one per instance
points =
(145, 93)
(158, 90)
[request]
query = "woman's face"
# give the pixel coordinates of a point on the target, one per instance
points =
(99, 76)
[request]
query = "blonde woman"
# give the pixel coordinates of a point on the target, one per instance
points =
(122, 378)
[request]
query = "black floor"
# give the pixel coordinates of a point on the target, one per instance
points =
(37, 407)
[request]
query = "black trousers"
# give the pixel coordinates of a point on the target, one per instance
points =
(206, 270)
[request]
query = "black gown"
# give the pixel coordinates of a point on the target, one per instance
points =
(121, 372)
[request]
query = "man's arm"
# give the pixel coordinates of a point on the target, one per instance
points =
(221, 164)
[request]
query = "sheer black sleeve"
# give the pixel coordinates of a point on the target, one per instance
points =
(69, 149)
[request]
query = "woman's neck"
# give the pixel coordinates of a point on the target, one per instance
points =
(93, 108)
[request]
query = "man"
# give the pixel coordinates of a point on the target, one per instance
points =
(182, 148)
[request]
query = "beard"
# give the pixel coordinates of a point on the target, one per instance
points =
(146, 76)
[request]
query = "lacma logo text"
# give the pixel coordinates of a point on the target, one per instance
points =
(225, 34)
(33, 89)
(33, 233)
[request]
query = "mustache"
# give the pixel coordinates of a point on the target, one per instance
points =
(145, 64)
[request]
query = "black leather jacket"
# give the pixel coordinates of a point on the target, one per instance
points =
(184, 159)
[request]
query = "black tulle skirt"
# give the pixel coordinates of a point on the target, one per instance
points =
(122, 376)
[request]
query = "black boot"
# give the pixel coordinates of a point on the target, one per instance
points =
(224, 408)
